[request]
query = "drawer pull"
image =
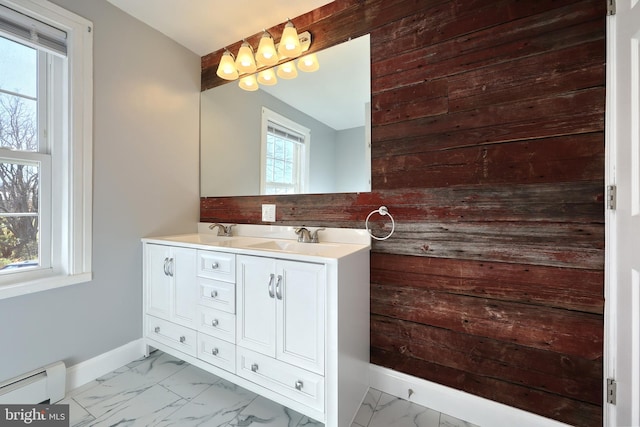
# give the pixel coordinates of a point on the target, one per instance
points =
(214, 351)
(299, 385)
(254, 367)
(215, 266)
(182, 339)
(156, 329)
(214, 322)
(214, 294)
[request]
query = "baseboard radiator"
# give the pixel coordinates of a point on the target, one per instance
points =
(46, 384)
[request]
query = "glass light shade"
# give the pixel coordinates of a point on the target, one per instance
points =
(267, 77)
(308, 63)
(289, 43)
(245, 62)
(227, 68)
(248, 83)
(267, 54)
(287, 70)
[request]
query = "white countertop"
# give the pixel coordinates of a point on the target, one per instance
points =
(273, 241)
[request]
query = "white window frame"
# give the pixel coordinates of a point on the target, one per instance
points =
(71, 208)
(271, 116)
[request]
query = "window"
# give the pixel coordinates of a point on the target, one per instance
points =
(284, 158)
(45, 147)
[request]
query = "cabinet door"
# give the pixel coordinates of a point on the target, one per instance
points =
(182, 270)
(300, 314)
(157, 281)
(256, 304)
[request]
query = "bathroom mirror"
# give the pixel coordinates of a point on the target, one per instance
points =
(333, 104)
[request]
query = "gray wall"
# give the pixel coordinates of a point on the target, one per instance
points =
(145, 168)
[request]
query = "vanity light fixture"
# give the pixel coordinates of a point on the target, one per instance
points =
(267, 77)
(287, 70)
(289, 43)
(247, 63)
(227, 68)
(308, 63)
(267, 54)
(249, 83)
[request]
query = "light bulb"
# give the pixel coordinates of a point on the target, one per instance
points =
(267, 54)
(267, 77)
(287, 70)
(249, 83)
(308, 63)
(289, 43)
(227, 68)
(245, 62)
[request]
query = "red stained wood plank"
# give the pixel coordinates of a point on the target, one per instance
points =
(555, 159)
(550, 405)
(561, 331)
(542, 370)
(458, 56)
(566, 288)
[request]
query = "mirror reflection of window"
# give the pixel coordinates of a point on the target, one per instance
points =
(284, 155)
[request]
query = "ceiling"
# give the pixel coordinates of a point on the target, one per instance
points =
(204, 26)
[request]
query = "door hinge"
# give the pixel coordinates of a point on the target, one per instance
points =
(611, 197)
(611, 7)
(611, 391)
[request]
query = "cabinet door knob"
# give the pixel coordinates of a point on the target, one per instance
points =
(214, 351)
(182, 339)
(215, 266)
(254, 367)
(156, 329)
(166, 266)
(214, 322)
(214, 294)
(299, 385)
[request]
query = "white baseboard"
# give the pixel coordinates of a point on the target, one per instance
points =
(89, 370)
(464, 406)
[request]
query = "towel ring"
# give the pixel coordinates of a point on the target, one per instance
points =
(382, 211)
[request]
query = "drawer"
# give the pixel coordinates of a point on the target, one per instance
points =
(175, 336)
(219, 324)
(217, 352)
(217, 294)
(217, 265)
(288, 380)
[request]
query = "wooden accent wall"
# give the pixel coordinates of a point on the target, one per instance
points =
(488, 149)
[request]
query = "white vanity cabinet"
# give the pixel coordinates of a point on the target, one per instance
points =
(170, 295)
(281, 310)
(286, 320)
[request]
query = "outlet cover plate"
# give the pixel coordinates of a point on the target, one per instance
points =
(268, 213)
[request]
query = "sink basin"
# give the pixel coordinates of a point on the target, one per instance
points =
(214, 240)
(294, 247)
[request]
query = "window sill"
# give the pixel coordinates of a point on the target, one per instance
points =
(42, 284)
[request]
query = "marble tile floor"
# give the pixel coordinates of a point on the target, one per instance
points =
(164, 391)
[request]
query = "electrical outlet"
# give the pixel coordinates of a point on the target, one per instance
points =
(268, 213)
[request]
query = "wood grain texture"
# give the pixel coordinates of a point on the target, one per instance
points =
(488, 149)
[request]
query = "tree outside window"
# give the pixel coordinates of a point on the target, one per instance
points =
(19, 174)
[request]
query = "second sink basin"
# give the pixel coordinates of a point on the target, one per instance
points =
(295, 247)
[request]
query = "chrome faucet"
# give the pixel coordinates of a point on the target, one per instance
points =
(306, 236)
(222, 230)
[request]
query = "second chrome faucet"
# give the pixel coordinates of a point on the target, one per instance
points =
(306, 236)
